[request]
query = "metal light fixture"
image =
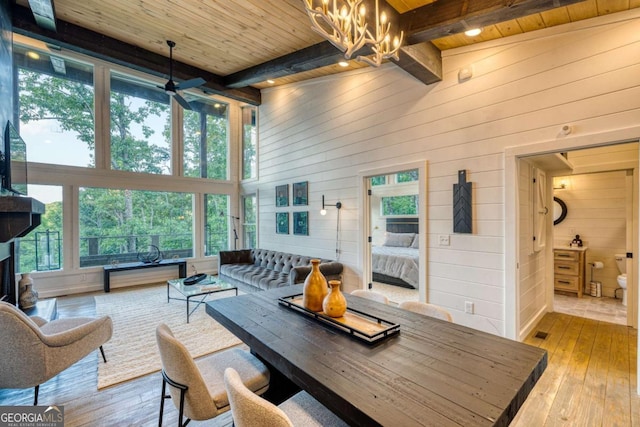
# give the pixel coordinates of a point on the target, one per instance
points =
(345, 26)
(323, 211)
(44, 13)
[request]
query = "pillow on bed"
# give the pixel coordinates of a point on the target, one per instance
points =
(415, 243)
(402, 240)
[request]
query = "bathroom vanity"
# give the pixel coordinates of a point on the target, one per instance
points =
(569, 269)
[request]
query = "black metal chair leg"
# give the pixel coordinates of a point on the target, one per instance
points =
(35, 396)
(183, 388)
(103, 356)
(162, 398)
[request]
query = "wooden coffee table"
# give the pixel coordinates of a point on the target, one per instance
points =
(210, 285)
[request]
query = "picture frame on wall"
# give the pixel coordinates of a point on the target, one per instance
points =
(282, 195)
(301, 223)
(301, 193)
(282, 222)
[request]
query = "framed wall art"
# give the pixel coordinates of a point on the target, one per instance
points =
(282, 222)
(301, 223)
(300, 193)
(282, 195)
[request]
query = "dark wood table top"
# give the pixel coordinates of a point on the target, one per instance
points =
(432, 373)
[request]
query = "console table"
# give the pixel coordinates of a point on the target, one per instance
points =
(108, 269)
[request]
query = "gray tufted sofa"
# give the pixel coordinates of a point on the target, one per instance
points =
(254, 270)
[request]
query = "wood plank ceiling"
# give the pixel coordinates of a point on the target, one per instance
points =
(239, 43)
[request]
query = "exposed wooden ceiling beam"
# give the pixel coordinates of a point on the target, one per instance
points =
(72, 37)
(444, 18)
(310, 58)
(424, 63)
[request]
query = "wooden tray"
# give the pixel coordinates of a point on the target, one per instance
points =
(365, 327)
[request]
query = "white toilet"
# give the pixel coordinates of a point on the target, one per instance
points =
(621, 261)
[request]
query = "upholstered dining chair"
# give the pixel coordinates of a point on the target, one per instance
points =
(33, 350)
(372, 295)
(251, 410)
(197, 386)
(426, 309)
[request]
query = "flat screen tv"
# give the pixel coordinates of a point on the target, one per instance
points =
(13, 162)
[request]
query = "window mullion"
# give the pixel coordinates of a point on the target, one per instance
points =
(103, 119)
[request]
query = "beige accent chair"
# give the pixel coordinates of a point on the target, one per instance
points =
(372, 295)
(197, 387)
(33, 350)
(426, 309)
(250, 410)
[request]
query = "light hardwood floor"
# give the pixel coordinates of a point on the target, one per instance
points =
(590, 381)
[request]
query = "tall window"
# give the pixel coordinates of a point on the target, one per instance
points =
(115, 225)
(140, 126)
(249, 227)
(249, 142)
(41, 249)
(206, 139)
(56, 100)
(216, 226)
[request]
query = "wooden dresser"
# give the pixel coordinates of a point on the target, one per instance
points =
(569, 270)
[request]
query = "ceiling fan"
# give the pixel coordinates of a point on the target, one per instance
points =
(172, 87)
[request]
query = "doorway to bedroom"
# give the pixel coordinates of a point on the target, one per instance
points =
(394, 209)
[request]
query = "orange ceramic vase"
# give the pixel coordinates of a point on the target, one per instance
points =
(334, 304)
(315, 288)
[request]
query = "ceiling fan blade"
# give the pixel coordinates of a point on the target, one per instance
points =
(182, 101)
(191, 83)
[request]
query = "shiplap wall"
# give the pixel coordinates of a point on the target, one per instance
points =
(523, 90)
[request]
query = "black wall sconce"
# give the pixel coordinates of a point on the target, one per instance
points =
(338, 205)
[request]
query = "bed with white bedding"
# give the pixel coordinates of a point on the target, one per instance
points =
(396, 261)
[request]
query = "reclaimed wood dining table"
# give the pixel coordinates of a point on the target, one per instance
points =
(431, 373)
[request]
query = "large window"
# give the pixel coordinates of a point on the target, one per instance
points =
(56, 99)
(206, 139)
(116, 225)
(140, 126)
(41, 249)
(249, 142)
(85, 123)
(216, 229)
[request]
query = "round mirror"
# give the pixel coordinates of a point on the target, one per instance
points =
(559, 211)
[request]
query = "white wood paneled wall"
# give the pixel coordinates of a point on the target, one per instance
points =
(523, 90)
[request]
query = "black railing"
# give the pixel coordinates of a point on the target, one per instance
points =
(44, 250)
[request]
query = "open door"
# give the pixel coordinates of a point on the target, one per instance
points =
(394, 242)
(540, 209)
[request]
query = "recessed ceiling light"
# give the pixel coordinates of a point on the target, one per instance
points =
(473, 32)
(33, 55)
(270, 81)
(343, 63)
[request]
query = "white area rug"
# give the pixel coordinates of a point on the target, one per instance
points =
(132, 351)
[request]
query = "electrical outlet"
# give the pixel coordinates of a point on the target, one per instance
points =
(443, 240)
(468, 307)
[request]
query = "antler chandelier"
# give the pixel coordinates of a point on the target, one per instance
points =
(344, 25)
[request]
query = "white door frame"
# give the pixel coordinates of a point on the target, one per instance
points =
(365, 220)
(512, 154)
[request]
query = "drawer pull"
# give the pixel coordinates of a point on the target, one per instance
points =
(564, 282)
(564, 267)
(564, 255)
